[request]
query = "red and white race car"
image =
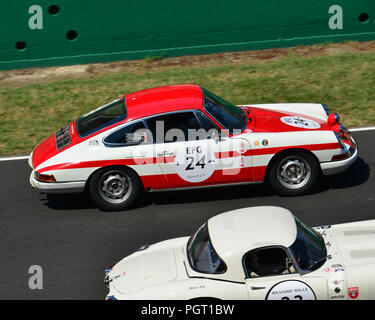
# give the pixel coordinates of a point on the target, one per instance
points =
(184, 136)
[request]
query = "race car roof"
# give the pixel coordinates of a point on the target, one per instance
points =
(163, 99)
(239, 231)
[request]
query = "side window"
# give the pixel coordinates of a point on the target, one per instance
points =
(129, 135)
(212, 130)
(205, 122)
(179, 126)
(267, 262)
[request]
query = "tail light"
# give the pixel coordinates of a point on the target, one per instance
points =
(44, 177)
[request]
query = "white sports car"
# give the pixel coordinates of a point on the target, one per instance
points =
(183, 136)
(253, 253)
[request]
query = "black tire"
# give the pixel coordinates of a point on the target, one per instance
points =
(294, 174)
(115, 188)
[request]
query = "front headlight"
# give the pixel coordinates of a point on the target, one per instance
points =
(333, 119)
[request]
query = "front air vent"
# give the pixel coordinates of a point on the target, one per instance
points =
(63, 138)
(361, 254)
(359, 232)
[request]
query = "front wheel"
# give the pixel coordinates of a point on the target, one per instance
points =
(294, 174)
(114, 188)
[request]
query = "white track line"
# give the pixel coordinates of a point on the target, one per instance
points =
(361, 129)
(27, 157)
(14, 158)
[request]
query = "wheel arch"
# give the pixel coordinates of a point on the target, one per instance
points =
(284, 153)
(112, 167)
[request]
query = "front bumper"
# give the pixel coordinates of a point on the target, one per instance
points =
(57, 187)
(334, 167)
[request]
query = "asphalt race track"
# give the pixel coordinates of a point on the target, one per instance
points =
(73, 241)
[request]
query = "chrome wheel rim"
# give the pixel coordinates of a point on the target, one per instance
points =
(293, 172)
(115, 187)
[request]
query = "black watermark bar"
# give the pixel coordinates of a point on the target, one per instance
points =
(193, 309)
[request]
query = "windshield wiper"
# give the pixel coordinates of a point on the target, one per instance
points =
(317, 261)
(249, 118)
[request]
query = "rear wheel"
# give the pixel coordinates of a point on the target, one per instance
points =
(115, 188)
(294, 174)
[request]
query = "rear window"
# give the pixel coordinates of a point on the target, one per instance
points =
(132, 134)
(102, 117)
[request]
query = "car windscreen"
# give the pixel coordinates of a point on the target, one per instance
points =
(102, 117)
(230, 117)
(201, 254)
(308, 249)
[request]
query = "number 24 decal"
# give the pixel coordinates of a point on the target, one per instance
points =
(201, 163)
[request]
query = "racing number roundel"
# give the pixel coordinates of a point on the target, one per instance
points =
(195, 162)
(300, 122)
(291, 290)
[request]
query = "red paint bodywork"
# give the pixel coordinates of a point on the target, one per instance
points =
(269, 121)
(139, 104)
(166, 99)
(47, 149)
(155, 101)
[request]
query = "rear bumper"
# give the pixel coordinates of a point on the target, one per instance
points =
(334, 167)
(30, 161)
(57, 187)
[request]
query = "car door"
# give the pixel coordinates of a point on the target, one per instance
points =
(193, 151)
(271, 275)
(232, 153)
(183, 151)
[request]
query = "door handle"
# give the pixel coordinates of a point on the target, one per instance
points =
(165, 154)
(257, 288)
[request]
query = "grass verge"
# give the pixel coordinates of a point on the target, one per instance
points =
(34, 103)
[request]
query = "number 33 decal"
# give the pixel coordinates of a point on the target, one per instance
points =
(291, 290)
(298, 297)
